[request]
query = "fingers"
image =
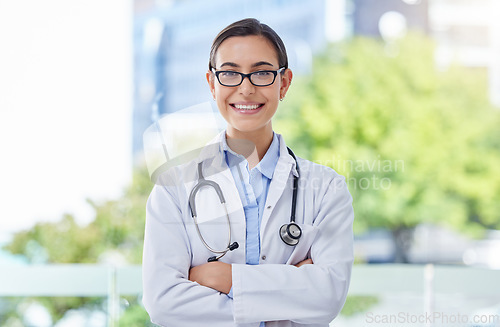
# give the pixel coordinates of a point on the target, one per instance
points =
(305, 262)
(194, 274)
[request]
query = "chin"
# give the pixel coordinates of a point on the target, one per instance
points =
(249, 128)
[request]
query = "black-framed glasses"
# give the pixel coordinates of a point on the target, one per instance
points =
(258, 78)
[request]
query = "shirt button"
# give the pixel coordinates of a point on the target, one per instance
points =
(268, 207)
(263, 257)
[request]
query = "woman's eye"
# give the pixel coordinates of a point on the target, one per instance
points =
(229, 74)
(262, 74)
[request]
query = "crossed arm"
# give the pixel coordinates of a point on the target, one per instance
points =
(218, 275)
(169, 297)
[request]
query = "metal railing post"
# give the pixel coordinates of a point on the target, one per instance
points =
(113, 298)
(428, 291)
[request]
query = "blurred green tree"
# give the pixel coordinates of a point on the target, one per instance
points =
(415, 144)
(116, 234)
(118, 227)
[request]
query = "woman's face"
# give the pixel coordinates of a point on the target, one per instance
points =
(248, 108)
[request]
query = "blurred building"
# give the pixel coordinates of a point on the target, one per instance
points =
(468, 33)
(462, 31)
(368, 15)
(173, 38)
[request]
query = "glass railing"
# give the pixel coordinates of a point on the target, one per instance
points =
(379, 295)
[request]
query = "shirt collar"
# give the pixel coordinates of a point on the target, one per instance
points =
(268, 163)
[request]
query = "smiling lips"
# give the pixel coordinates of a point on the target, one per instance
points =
(247, 108)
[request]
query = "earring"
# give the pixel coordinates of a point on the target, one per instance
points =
(281, 99)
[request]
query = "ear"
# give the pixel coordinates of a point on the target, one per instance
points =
(286, 80)
(211, 82)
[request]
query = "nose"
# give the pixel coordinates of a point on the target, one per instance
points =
(246, 87)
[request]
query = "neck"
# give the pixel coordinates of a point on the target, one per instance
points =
(252, 145)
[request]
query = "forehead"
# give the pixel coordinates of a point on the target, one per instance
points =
(246, 50)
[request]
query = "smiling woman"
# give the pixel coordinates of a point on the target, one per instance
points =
(251, 100)
(287, 250)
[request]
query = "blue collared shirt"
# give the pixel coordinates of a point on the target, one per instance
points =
(253, 186)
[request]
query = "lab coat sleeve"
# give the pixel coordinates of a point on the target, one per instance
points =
(168, 296)
(311, 294)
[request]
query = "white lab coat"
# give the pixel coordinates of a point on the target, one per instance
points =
(274, 291)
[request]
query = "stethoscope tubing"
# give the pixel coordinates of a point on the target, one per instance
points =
(228, 234)
(285, 234)
(202, 182)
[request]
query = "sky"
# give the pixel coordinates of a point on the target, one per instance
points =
(65, 108)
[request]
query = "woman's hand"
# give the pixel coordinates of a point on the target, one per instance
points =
(305, 262)
(216, 275)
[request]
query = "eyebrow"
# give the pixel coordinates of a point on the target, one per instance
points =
(259, 63)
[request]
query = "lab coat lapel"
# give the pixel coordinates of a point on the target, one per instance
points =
(282, 173)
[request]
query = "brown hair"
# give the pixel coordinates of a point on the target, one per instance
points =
(245, 27)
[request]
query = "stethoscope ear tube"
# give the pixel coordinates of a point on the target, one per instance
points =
(201, 183)
(232, 247)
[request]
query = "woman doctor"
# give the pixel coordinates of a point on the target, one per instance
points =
(269, 278)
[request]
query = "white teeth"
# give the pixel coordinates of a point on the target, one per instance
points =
(246, 107)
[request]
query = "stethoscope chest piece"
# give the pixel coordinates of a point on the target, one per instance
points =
(290, 233)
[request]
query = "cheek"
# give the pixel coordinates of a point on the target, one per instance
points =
(222, 93)
(273, 95)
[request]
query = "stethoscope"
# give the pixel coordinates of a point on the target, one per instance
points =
(290, 233)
